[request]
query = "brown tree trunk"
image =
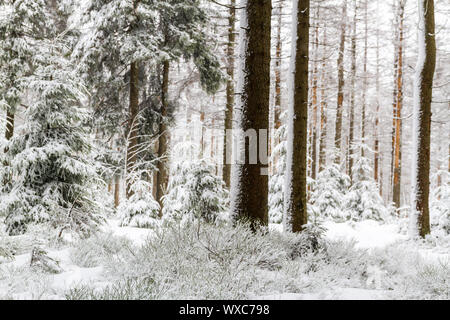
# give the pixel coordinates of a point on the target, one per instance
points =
(340, 98)
(277, 107)
(132, 126)
(250, 183)
(296, 215)
(323, 109)
(422, 116)
(162, 176)
(116, 192)
(364, 93)
(377, 112)
(315, 102)
(398, 114)
(230, 93)
(351, 135)
(278, 53)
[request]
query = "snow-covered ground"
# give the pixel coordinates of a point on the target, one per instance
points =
(19, 281)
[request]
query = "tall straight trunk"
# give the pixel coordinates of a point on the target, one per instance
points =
(132, 126)
(423, 90)
(9, 125)
(116, 191)
(340, 97)
(230, 92)
(377, 112)
(351, 135)
(398, 113)
(394, 94)
(277, 107)
(323, 108)
(364, 92)
(162, 176)
(250, 180)
(295, 216)
(278, 53)
(202, 137)
(315, 100)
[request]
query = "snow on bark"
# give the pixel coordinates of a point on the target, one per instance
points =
(419, 218)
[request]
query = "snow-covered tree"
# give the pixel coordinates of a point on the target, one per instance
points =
(363, 200)
(329, 192)
(194, 191)
(140, 210)
(276, 181)
(50, 174)
(440, 204)
(22, 25)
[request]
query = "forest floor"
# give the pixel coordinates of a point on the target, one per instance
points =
(368, 260)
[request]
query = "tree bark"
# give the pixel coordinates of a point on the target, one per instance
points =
(296, 216)
(162, 176)
(323, 109)
(351, 135)
(422, 117)
(365, 80)
(133, 128)
(116, 192)
(398, 113)
(377, 112)
(315, 101)
(230, 92)
(340, 98)
(250, 181)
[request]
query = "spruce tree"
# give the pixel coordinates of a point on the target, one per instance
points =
(50, 165)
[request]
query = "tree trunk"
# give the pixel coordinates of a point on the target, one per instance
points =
(162, 176)
(230, 93)
(340, 98)
(364, 93)
(315, 101)
(132, 126)
(116, 192)
(398, 113)
(278, 53)
(351, 135)
(422, 117)
(295, 216)
(377, 112)
(323, 109)
(250, 181)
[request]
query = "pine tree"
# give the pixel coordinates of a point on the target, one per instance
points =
(22, 25)
(194, 191)
(363, 200)
(140, 210)
(50, 162)
(277, 180)
(330, 189)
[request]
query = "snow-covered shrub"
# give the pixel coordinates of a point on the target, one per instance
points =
(276, 180)
(195, 192)
(202, 261)
(440, 206)
(363, 201)
(141, 209)
(95, 250)
(310, 240)
(49, 174)
(141, 288)
(329, 192)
